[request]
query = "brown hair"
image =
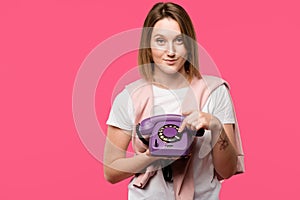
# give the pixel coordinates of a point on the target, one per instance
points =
(160, 11)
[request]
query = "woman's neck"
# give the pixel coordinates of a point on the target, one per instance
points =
(170, 81)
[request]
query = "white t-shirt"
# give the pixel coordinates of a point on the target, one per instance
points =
(169, 102)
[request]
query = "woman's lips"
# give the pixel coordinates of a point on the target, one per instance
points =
(170, 61)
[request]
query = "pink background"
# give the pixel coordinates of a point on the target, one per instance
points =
(43, 43)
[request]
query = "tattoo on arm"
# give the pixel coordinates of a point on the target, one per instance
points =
(223, 142)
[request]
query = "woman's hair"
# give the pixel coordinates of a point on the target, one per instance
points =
(158, 12)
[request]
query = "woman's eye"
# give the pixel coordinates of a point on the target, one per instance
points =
(179, 40)
(160, 41)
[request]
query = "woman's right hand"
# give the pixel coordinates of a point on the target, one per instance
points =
(117, 166)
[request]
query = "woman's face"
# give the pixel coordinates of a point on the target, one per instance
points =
(167, 47)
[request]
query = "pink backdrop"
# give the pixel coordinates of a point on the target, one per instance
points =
(43, 44)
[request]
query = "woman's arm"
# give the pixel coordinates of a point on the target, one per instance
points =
(224, 151)
(117, 166)
(223, 140)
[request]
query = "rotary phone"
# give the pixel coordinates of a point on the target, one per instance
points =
(161, 134)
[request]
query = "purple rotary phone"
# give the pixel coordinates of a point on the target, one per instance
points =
(164, 138)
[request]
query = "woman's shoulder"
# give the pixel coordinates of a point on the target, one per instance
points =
(122, 97)
(210, 81)
(207, 83)
(137, 85)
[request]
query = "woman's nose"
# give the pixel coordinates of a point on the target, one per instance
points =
(171, 50)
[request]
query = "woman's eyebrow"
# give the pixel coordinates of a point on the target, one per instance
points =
(156, 35)
(162, 35)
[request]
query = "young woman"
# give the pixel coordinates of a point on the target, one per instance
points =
(168, 60)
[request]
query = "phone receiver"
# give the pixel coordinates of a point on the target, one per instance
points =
(148, 124)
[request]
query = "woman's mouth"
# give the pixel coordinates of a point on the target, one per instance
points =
(170, 61)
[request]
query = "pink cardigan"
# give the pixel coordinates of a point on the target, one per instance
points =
(141, 94)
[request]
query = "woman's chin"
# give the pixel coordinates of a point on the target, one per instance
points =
(169, 69)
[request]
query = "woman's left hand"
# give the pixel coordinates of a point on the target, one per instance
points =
(224, 154)
(194, 120)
